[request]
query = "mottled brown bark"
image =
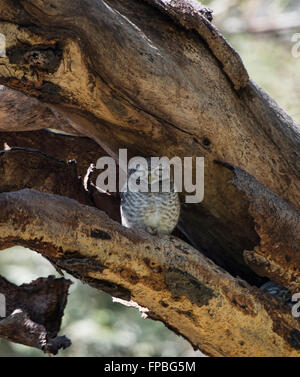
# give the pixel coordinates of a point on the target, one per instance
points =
(22, 168)
(156, 77)
(193, 16)
(177, 284)
(19, 112)
(29, 168)
(34, 312)
(82, 150)
(154, 87)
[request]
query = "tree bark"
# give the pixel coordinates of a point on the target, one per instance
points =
(220, 315)
(19, 112)
(158, 78)
(34, 312)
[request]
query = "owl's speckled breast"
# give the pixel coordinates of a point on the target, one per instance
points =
(156, 213)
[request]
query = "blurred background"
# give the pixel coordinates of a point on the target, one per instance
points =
(264, 32)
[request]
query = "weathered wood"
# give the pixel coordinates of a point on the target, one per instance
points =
(34, 312)
(193, 16)
(125, 69)
(19, 112)
(82, 150)
(220, 315)
(29, 168)
(21, 167)
(126, 75)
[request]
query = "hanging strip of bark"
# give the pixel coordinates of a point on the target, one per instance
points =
(33, 313)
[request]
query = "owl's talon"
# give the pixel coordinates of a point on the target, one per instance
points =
(151, 230)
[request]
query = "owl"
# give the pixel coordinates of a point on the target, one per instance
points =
(154, 212)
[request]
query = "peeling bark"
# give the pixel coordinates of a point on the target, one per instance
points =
(278, 225)
(34, 312)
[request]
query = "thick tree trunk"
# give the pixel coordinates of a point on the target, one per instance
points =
(157, 78)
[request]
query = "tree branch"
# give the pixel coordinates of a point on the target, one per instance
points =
(277, 224)
(19, 112)
(164, 94)
(192, 16)
(21, 167)
(127, 75)
(29, 168)
(177, 284)
(34, 312)
(274, 254)
(63, 147)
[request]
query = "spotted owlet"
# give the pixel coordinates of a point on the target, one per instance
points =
(154, 212)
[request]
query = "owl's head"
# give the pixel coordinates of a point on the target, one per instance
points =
(149, 172)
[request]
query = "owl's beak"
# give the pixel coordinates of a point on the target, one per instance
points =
(149, 178)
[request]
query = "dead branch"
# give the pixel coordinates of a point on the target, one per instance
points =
(34, 312)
